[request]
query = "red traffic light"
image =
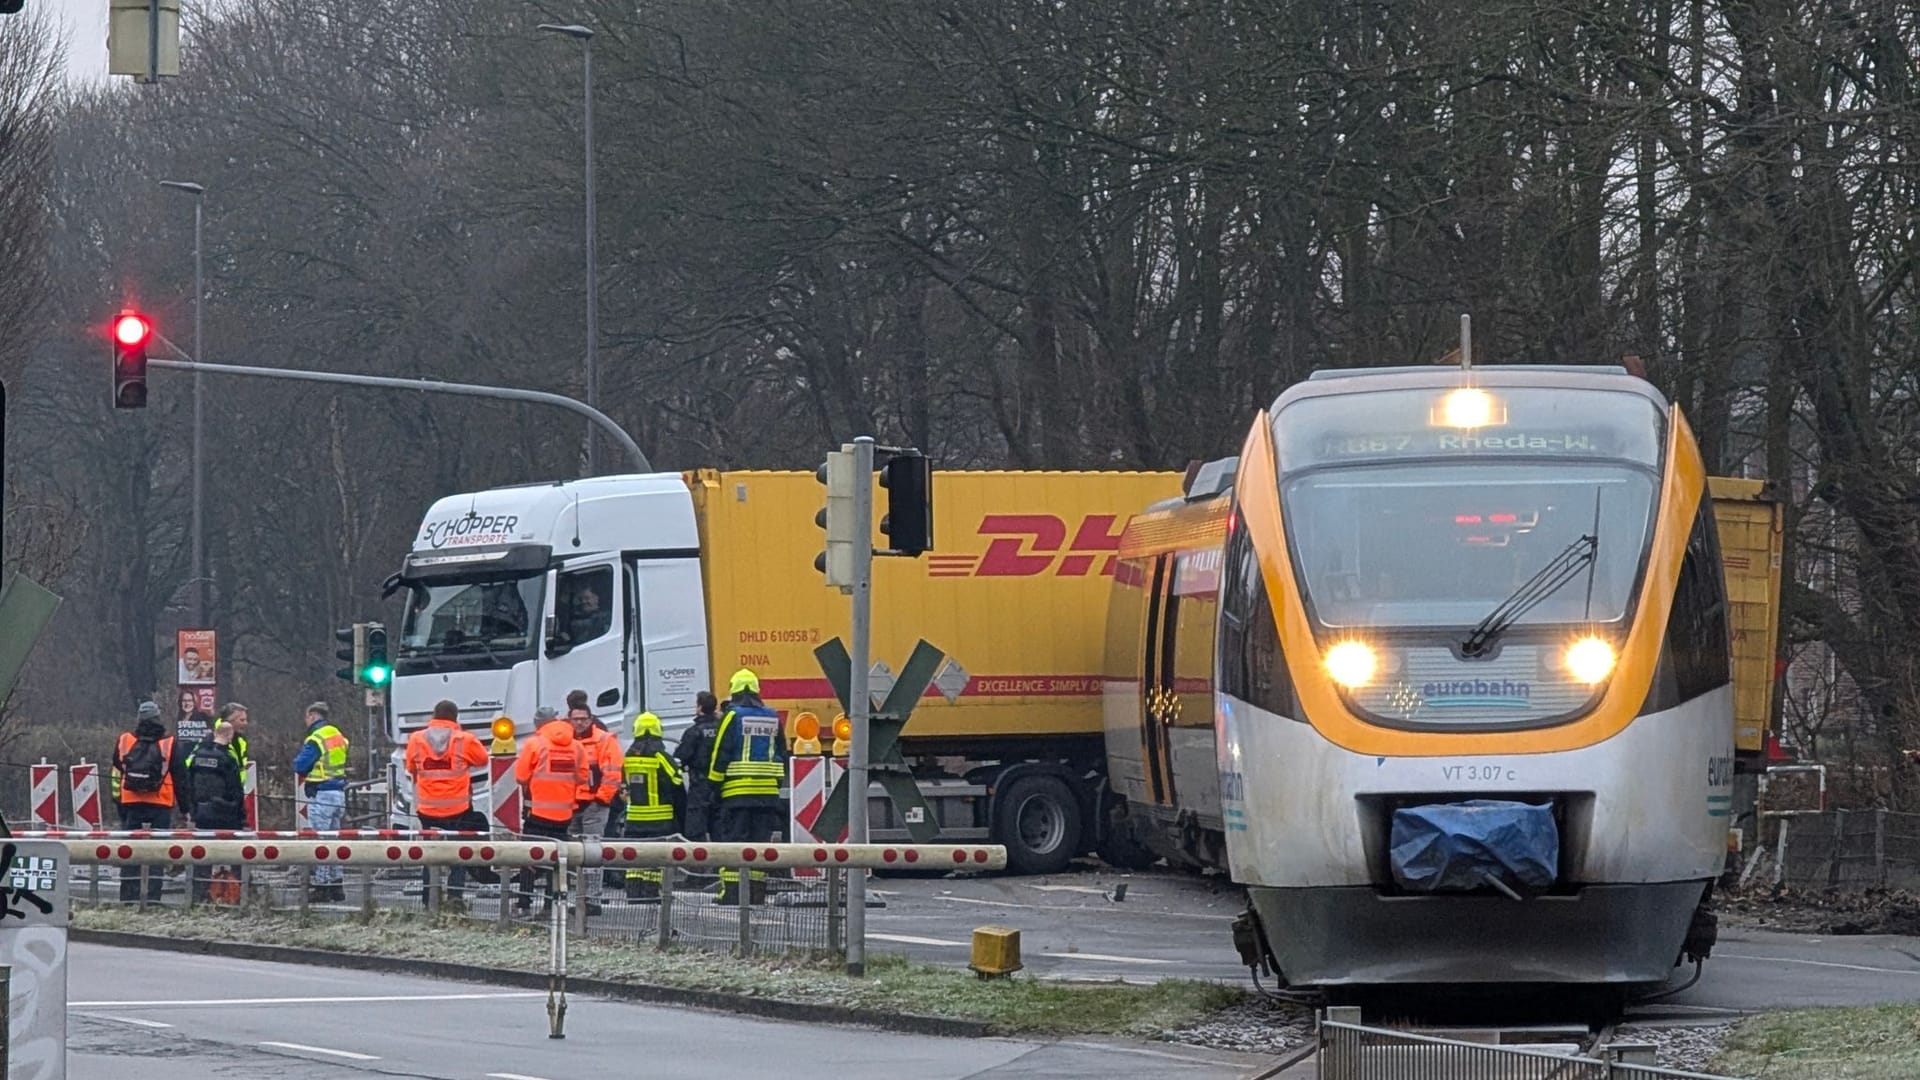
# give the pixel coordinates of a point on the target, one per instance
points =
(131, 329)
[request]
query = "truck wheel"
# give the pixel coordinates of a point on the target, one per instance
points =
(1038, 820)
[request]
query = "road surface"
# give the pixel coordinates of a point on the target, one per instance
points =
(165, 1016)
(1176, 924)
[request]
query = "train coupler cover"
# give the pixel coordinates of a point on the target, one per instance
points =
(1480, 843)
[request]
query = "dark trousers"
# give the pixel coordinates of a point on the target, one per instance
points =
(143, 816)
(203, 873)
(701, 813)
(471, 821)
(550, 830)
(752, 823)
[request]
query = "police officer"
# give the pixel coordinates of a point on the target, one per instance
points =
(655, 799)
(216, 792)
(694, 754)
(749, 760)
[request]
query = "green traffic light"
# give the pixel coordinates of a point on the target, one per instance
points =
(378, 676)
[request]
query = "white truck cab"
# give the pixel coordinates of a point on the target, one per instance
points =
(516, 596)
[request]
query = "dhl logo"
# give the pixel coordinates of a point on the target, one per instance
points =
(1024, 545)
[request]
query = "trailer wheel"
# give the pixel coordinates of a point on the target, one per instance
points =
(1038, 820)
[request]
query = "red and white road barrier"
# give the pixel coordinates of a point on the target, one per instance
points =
(242, 834)
(251, 788)
(809, 780)
(84, 782)
(310, 852)
(302, 819)
(45, 802)
(504, 800)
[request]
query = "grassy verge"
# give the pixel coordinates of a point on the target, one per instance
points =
(1873, 1042)
(1017, 1005)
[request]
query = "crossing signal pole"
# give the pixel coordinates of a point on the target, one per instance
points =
(847, 563)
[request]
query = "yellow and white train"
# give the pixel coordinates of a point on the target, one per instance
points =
(1438, 669)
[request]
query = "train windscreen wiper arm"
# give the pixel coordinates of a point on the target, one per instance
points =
(1564, 567)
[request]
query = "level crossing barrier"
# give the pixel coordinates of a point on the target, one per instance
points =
(310, 849)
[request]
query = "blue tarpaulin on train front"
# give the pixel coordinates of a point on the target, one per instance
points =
(1453, 847)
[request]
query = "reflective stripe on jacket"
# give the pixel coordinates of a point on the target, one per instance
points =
(748, 752)
(162, 797)
(441, 758)
(332, 761)
(653, 783)
(551, 766)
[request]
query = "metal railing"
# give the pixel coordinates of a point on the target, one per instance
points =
(1349, 1050)
(795, 901)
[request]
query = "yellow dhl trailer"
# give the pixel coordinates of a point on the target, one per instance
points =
(1750, 523)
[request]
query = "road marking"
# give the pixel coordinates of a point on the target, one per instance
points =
(1056, 907)
(1820, 963)
(909, 939)
(1108, 958)
(127, 1020)
(376, 999)
(514, 1076)
(304, 1048)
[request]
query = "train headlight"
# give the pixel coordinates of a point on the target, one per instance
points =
(1352, 664)
(1468, 407)
(1589, 660)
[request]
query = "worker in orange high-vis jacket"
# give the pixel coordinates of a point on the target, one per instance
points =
(597, 790)
(149, 779)
(550, 769)
(441, 758)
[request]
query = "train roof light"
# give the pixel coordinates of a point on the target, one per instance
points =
(1590, 660)
(1352, 664)
(1468, 407)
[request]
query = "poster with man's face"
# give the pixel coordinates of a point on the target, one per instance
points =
(196, 651)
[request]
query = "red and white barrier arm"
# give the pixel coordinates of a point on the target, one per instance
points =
(311, 851)
(242, 834)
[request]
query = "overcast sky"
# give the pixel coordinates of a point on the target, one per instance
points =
(85, 23)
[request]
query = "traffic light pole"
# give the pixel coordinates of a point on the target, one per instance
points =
(429, 386)
(860, 705)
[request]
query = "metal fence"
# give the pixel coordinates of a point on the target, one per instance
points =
(778, 915)
(1349, 1050)
(1837, 849)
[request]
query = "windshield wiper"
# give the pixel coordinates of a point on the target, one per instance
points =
(1564, 567)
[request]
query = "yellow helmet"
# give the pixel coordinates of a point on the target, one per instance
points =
(646, 724)
(744, 679)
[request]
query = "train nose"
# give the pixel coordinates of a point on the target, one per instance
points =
(1506, 843)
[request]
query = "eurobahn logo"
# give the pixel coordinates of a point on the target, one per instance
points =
(1025, 545)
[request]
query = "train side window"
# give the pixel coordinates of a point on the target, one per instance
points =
(1251, 667)
(1697, 640)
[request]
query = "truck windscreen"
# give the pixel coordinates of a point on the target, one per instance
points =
(495, 623)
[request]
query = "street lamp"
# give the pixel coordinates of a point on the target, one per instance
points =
(196, 541)
(584, 36)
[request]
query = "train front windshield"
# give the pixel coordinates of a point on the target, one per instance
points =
(1426, 509)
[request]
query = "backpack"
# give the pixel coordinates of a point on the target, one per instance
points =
(144, 767)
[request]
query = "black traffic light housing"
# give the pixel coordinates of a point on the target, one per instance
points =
(354, 652)
(377, 671)
(131, 332)
(908, 524)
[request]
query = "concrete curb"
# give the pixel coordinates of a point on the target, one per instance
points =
(713, 1000)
